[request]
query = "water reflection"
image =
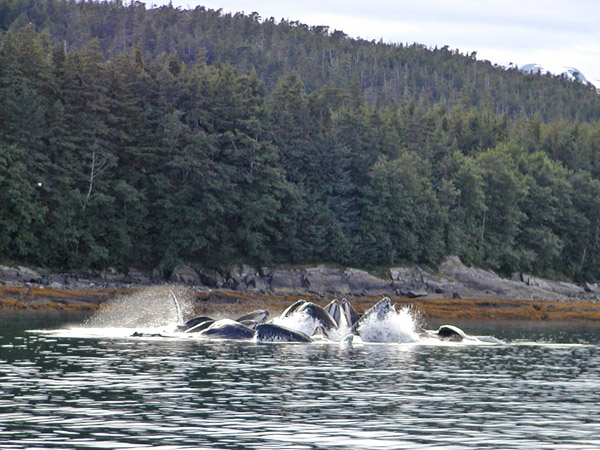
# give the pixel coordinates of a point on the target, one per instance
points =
(70, 392)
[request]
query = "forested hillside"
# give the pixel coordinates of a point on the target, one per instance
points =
(134, 137)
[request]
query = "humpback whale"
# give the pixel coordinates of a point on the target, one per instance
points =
(292, 308)
(308, 318)
(380, 310)
(249, 323)
(344, 314)
(228, 329)
(333, 308)
(349, 313)
(338, 321)
(451, 333)
(140, 334)
(258, 316)
(454, 334)
(200, 326)
(269, 332)
(193, 322)
(318, 313)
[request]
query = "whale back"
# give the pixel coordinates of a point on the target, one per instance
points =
(319, 314)
(193, 322)
(200, 326)
(258, 316)
(451, 333)
(228, 329)
(269, 332)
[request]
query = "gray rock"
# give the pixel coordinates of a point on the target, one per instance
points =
(326, 280)
(212, 279)
(516, 276)
(242, 272)
(30, 274)
(362, 282)
(261, 282)
(439, 290)
(416, 293)
(158, 274)
(112, 275)
(534, 281)
(292, 280)
(454, 268)
(473, 282)
(408, 274)
(56, 279)
(415, 279)
(185, 274)
(135, 276)
(19, 274)
(566, 289)
(245, 277)
(78, 283)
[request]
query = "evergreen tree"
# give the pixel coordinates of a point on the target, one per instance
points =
(400, 215)
(133, 137)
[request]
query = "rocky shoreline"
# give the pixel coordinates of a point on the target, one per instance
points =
(454, 290)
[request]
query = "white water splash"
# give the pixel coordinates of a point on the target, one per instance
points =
(345, 328)
(305, 323)
(396, 326)
(298, 322)
(146, 308)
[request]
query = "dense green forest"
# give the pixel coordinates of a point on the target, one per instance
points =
(134, 137)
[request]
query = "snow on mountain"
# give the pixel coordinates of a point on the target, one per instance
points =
(574, 74)
(571, 73)
(533, 69)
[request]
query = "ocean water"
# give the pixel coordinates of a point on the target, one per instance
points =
(66, 386)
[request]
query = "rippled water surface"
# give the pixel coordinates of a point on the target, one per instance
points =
(540, 391)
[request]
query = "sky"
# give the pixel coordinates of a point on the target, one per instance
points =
(552, 33)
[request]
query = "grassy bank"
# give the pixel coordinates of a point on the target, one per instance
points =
(231, 303)
(44, 299)
(446, 309)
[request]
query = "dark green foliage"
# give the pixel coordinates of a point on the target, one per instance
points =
(400, 217)
(133, 137)
(22, 210)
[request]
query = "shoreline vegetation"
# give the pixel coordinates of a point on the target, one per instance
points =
(454, 292)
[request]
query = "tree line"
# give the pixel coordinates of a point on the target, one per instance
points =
(134, 137)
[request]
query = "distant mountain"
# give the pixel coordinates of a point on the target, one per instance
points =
(574, 74)
(533, 69)
(570, 73)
